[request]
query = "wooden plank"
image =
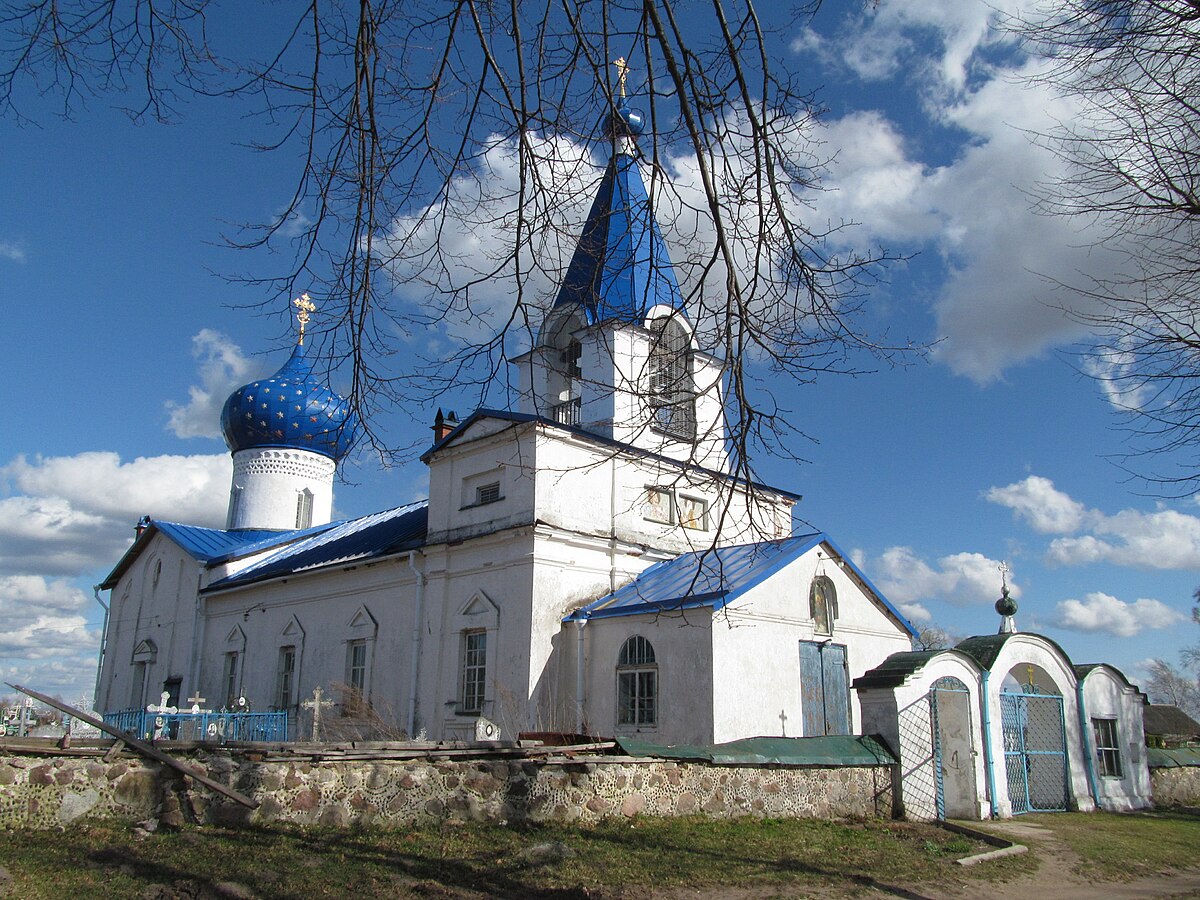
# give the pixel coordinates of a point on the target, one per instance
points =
(139, 745)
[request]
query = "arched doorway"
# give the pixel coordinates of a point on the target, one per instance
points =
(953, 749)
(1035, 742)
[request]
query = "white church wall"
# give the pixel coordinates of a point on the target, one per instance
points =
(756, 647)
(320, 615)
(1106, 695)
(153, 605)
(684, 665)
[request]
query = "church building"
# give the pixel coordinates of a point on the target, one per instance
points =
(588, 562)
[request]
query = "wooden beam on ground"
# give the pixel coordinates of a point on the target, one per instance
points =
(139, 745)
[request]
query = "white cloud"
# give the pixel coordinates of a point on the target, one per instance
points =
(74, 515)
(1099, 612)
(1162, 539)
(12, 250)
(223, 369)
(1036, 500)
(44, 637)
(1002, 301)
(963, 579)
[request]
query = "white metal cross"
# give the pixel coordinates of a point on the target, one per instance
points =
(316, 704)
(196, 700)
(162, 705)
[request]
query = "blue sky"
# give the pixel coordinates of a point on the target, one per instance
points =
(121, 339)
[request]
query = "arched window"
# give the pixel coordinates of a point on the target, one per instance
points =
(672, 394)
(637, 684)
(822, 604)
(564, 355)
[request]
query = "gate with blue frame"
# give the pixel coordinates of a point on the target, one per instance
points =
(1035, 751)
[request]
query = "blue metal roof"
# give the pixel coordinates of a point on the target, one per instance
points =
(364, 538)
(289, 409)
(205, 545)
(621, 267)
(208, 544)
(714, 578)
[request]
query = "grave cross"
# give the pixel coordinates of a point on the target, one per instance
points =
(162, 705)
(316, 704)
(196, 700)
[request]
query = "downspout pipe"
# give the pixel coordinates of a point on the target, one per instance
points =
(580, 694)
(103, 645)
(1089, 756)
(415, 648)
(989, 760)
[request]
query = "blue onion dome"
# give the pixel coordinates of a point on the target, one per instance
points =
(290, 409)
(622, 121)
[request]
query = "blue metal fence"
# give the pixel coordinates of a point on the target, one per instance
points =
(214, 727)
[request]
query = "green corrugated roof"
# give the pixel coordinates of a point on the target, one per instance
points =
(1161, 758)
(830, 750)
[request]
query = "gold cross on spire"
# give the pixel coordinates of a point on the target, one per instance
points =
(304, 309)
(622, 73)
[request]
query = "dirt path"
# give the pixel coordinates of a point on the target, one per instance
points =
(1056, 877)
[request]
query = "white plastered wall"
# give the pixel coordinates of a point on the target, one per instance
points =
(1107, 695)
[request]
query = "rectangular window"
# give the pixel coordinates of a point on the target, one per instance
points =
(304, 506)
(138, 693)
(1108, 749)
(693, 513)
(355, 700)
(283, 680)
(487, 493)
(230, 679)
(659, 506)
(637, 692)
(474, 671)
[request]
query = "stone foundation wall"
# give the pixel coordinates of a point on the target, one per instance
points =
(1175, 786)
(41, 792)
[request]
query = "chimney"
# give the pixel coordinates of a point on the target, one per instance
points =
(443, 425)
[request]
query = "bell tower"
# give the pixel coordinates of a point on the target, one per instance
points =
(617, 355)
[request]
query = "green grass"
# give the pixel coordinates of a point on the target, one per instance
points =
(1126, 846)
(477, 860)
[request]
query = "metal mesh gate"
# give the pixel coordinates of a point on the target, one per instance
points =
(1035, 753)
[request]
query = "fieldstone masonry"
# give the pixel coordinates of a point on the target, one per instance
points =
(1176, 786)
(47, 792)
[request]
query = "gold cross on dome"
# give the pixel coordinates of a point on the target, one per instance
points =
(304, 309)
(622, 73)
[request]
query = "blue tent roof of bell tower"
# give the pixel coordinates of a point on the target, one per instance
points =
(621, 268)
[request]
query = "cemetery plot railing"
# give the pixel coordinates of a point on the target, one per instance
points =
(214, 727)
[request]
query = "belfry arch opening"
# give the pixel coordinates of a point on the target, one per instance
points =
(564, 371)
(672, 389)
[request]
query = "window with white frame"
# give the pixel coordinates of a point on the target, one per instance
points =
(474, 671)
(284, 674)
(304, 508)
(637, 684)
(229, 679)
(1108, 748)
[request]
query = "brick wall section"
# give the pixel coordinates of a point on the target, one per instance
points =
(1178, 786)
(41, 792)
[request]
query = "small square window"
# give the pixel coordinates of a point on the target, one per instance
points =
(659, 506)
(693, 513)
(487, 493)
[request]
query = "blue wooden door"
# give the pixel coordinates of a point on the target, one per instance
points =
(824, 688)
